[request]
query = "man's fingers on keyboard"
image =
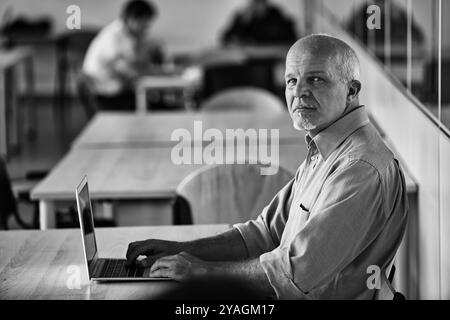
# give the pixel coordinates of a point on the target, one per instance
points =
(148, 262)
(161, 273)
(130, 251)
(134, 251)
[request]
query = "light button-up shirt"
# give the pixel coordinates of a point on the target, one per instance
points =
(345, 210)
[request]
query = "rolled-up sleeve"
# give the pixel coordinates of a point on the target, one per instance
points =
(264, 233)
(346, 217)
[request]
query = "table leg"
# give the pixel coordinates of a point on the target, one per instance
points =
(141, 100)
(14, 129)
(47, 215)
(3, 132)
(31, 105)
(108, 210)
(188, 98)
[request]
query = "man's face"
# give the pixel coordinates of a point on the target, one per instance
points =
(138, 27)
(315, 95)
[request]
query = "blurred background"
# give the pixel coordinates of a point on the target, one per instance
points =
(403, 45)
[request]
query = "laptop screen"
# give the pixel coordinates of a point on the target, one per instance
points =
(88, 223)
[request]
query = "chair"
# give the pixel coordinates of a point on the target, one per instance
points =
(12, 192)
(18, 191)
(8, 205)
(245, 98)
(226, 193)
(387, 291)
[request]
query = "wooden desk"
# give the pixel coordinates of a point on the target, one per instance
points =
(128, 173)
(109, 129)
(39, 264)
(9, 59)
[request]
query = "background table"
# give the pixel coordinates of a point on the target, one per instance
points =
(128, 173)
(128, 156)
(38, 264)
(109, 129)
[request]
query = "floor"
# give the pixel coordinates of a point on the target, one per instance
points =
(52, 141)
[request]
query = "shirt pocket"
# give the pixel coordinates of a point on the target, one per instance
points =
(310, 201)
(298, 217)
(303, 216)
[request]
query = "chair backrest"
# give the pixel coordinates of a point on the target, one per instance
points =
(230, 193)
(387, 291)
(245, 98)
(8, 205)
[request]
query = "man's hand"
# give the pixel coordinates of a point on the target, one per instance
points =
(180, 267)
(184, 266)
(153, 249)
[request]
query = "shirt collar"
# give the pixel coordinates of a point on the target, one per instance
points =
(331, 137)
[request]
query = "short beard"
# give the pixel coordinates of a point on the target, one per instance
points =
(304, 125)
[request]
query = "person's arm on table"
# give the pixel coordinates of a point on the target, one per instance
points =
(184, 266)
(123, 68)
(226, 246)
(245, 240)
(216, 256)
(185, 261)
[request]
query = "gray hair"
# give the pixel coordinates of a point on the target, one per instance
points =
(346, 61)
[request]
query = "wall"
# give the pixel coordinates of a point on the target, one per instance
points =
(182, 24)
(423, 16)
(444, 203)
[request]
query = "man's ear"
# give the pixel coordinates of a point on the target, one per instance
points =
(354, 89)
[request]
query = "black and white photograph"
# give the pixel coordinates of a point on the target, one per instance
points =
(216, 157)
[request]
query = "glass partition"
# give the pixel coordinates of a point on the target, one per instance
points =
(424, 37)
(445, 65)
(404, 36)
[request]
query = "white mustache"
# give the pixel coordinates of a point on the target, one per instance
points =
(302, 106)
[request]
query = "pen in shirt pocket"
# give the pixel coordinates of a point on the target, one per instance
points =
(303, 207)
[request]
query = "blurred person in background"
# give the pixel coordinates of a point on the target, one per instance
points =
(120, 54)
(260, 23)
(357, 24)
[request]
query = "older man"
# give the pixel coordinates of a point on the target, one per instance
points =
(345, 209)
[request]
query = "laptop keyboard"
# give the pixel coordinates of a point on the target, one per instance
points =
(115, 268)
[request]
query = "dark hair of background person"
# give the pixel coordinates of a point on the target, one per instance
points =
(139, 9)
(269, 27)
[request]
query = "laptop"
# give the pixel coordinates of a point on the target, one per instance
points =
(101, 269)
